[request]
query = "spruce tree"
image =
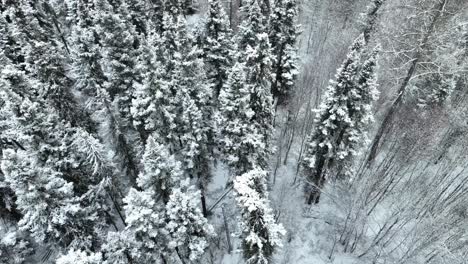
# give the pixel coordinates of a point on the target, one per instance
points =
(188, 100)
(45, 52)
(283, 34)
(258, 73)
(340, 125)
(239, 138)
(245, 124)
(218, 46)
(164, 215)
(145, 223)
(162, 172)
(253, 23)
(188, 230)
(79, 257)
(261, 234)
(245, 102)
(103, 69)
(47, 161)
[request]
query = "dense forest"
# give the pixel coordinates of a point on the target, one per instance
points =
(233, 131)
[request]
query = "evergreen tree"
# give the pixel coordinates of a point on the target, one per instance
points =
(44, 164)
(246, 112)
(163, 217)
(245, 124)
(283, 34)
(258, 73)
(340, 125)
(253, 23)
(15, 247)
(186, 226)
(104, 58)
(145, 219)
(46, 201)
(260, 232)
(152, 109)
(187, 100)
(239, 139)
(79, 257)
(38, 35)
(218, 46)
(162, 172)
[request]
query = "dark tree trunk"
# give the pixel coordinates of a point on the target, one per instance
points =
(401, 91)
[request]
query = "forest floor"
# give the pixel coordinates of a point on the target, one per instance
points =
(311, 230)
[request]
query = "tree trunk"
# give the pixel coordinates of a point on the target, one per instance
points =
(401, 91)
(203, 199)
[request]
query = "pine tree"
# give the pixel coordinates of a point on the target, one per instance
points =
(258, 73)
(15, 247)
(162, 172)
(245, 125)
(260, 232)
(283, 34)
(43, 165)
(239, 138)
(104, 58)
(340, 125)
(188, 100)
(164, 216)
(186, 226)
(253, 23)
(145, 223)
(79, 257)
(44, 49)
(218, 46)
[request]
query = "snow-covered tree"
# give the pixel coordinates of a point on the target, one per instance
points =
(261, 234)
(162, 172)
(43, 165)
(253, 23)
(46, 201)
(145, 223)
(369, 18)
(103, 69)
(187, 228)
(341, 122)
(239, 138)
(119, 246)
(258, 73)
(15, 247)
(164, 217)
(79, 257)
(152, 108)
(283, 34)
(37, 34)
(218, 46)
(245, 102)
(187, 99)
